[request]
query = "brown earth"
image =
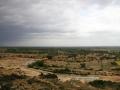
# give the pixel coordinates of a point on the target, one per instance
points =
(21, 63)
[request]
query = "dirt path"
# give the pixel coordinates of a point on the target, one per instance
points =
(111, 78)
(65, 77)
(22, 64)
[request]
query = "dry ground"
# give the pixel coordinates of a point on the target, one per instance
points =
(17, 62)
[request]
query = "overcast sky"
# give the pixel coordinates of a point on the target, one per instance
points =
(59, 22)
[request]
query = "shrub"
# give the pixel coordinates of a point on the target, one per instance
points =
(36, 64)
(65, 70)
(49, 57)
(113, 63)
(50, 76)
(105, 84)
(82, 65)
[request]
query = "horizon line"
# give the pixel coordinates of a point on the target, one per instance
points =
(59, 46)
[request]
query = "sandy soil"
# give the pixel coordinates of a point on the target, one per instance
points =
(15, 62)
(19, 63)
(111, 78)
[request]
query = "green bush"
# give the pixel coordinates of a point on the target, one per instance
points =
(36, 64)
(50, 76)
(65, 70)
(104, 84)
(82, 65)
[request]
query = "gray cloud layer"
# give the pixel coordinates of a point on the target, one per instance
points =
(59, 22)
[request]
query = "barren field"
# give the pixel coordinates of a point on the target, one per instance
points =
(66, 70)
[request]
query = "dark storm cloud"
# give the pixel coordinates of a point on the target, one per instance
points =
(9, 33)
(19, 18)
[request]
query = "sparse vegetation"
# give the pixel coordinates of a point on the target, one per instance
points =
(57, 63)
(82, 65)
(37, 64)
(118, 62)
(105, 84)
(49, 76)
(64, 71)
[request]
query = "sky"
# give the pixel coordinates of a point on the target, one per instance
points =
(59, 22)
